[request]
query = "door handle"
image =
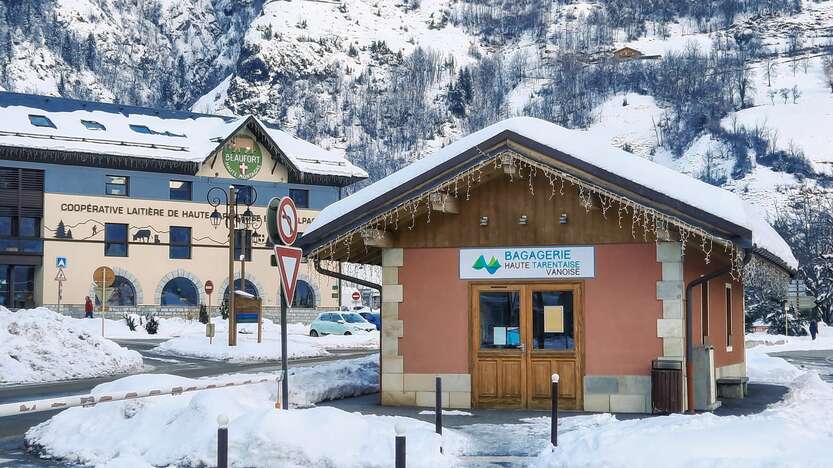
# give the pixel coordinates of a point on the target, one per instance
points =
(522, 347)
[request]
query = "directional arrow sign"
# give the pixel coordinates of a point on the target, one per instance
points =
(289, 262)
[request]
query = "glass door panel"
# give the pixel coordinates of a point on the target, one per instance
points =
(500, 320)
(553, 325)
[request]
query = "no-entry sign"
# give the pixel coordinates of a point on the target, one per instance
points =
(289, 262)
(209, 287)
(356, 296)
(287, 221)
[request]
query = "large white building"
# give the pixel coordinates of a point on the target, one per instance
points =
(90, 184)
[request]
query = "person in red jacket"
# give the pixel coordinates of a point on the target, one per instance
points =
(88, 308)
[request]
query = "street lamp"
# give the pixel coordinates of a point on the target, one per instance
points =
(217, 196)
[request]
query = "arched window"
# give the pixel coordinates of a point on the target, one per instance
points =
(121, 293)
(180, 292)
(304, 295)
(250, 288)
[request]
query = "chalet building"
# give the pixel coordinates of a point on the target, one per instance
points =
(526, 249)
(627, 53)
(88, 184)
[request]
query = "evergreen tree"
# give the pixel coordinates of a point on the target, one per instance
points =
(60, 232)
(204, 314)
(794, 325)
(91, 56)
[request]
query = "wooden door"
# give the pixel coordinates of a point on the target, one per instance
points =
(521, 335)
(554, 324)
(499, 374)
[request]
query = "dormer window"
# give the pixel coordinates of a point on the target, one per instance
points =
(41, 121)
(93, 125)
(141, 129)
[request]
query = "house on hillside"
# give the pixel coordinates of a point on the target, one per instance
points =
(627, 53)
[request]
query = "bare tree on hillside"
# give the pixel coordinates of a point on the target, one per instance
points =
(827, 71)
(807, 226)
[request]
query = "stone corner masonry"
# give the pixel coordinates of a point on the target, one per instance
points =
(632, 393)
(399, 388)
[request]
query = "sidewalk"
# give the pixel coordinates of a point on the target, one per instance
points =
(513, 437)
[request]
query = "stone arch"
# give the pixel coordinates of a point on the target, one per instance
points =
(314, 285)
(137, 286)
(175, 274)
(249, 277)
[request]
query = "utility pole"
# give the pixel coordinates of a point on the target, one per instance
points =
(231, 215)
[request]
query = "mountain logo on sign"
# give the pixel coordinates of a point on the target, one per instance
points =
(491, 267)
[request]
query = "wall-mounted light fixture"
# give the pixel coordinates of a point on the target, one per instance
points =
(484, 220)
(563, 218)
(523, 220)
(506, 162)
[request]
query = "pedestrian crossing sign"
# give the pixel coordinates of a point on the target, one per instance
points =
(60, 262)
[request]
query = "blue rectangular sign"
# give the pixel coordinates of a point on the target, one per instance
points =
(246, 317)
(60, 262)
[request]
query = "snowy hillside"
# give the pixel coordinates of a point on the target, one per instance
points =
(386, 82)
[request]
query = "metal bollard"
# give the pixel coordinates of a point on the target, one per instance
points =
(222, 441)
(438, 410)
(438, 407)
(400, 445)
(554, 417)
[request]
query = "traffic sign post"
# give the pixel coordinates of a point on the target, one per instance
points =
(209, 288)
(282, 226)
(103, 277)
(60, 278)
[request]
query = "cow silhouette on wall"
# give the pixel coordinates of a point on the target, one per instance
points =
(142, 235)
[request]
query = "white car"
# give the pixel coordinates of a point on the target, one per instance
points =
(339, 323)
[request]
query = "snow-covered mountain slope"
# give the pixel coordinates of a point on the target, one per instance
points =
(386, 82)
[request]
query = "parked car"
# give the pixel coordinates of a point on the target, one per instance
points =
(374, 318)
(339, 323)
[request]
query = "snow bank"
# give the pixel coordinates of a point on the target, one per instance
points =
(333, 380)
(794, 432)
(181, 430)
(766, 343)
(174, 327)
(591, 150)
(39, 345)
(300, 344)
(247, 349)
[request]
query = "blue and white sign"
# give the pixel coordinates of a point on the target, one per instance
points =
(528, 263)
(60, 262)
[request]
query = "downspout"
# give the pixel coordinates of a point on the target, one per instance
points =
(747, 256)
(378, 287)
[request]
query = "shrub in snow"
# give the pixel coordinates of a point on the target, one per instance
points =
(130, 320)
(203, 314)
(39, 345)
(152, 325)
(224, 308)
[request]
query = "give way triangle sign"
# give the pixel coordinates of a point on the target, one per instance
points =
(289, 262)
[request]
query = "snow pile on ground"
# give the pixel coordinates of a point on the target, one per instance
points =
(300, 344)
(173, 327)
(763, 368)
(793, 432)
(181, 430)
(333, 380)
(766, 343)
(39, 345)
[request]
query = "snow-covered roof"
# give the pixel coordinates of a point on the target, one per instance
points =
(580, 145)
(113, 129)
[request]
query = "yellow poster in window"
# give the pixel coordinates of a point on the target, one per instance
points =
(554, 319)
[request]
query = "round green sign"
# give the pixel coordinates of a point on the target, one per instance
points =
(242, 157)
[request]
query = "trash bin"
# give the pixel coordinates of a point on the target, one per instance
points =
(667, 386)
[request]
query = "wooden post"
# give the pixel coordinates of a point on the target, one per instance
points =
(101, 311)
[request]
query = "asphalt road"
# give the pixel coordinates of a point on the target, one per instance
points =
(819, 360)
(13, 428)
